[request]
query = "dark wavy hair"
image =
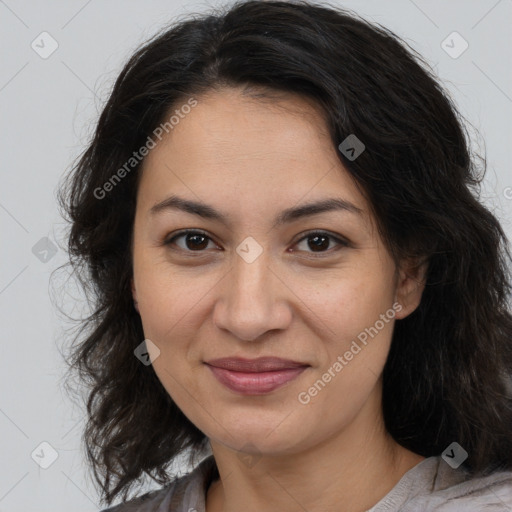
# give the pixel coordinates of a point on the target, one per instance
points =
(448, 371)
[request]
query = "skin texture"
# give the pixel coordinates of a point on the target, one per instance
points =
(251, 159)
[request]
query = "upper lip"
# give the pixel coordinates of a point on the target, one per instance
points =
(261, 364)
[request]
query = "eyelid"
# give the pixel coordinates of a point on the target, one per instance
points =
(300, 237)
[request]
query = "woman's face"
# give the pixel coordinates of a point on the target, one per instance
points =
(256, 287)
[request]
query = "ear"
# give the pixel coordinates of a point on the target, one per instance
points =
(411, 283)
(134, 295)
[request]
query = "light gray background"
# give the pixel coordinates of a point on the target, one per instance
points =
(48, 108)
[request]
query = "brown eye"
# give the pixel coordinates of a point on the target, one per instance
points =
(319, 241)
(194, 241)
(197, 241)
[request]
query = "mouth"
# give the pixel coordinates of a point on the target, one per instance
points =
(255, 376)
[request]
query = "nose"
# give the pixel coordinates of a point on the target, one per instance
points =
(253, 300)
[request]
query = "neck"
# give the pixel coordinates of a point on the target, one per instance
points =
(351, 470)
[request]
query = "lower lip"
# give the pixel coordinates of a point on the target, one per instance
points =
(255, 383)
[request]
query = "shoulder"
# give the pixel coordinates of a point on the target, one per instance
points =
(434, 486)
(151, 501)
(182, 493)
(492, 492)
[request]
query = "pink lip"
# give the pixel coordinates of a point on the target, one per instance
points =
(255, 383)
(255, 376)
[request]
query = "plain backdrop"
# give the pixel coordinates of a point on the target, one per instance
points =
(49, 104)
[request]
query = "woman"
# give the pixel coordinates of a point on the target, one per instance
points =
(293, 277)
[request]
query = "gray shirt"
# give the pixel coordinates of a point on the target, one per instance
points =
(430, 486)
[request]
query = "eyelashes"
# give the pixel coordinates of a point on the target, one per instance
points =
(202, 239)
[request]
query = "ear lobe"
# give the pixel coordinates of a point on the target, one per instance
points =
(411, 283)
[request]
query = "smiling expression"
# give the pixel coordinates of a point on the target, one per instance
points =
(262, 272)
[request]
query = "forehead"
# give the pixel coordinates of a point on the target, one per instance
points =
(240, 150)
(239, 127)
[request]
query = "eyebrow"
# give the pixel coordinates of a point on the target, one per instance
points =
(286, 216)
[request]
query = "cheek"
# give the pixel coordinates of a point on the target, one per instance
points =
(167, 296)
(173, 306)
(166, 313)
(355, 302)
(352, 365)
(359, 314)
